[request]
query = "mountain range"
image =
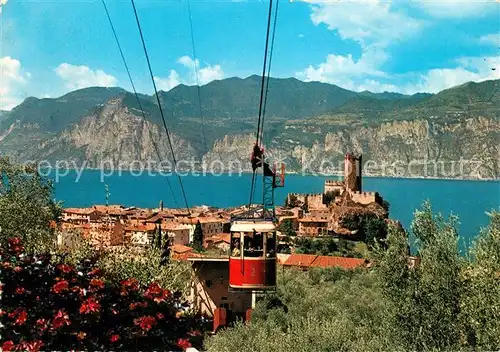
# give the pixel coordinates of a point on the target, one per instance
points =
(307, 124)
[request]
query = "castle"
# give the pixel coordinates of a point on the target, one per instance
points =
(323, 212)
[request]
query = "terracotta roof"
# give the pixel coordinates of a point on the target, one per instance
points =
(300, 259)
(222, 237)
(143, 228)
(173, 226)
(180, 249)
(322, 261)
(329, 262)
(81, 211)
(203, 220)
(109, 209)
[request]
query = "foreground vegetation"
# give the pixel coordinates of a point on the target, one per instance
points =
(448, 303)
(50, 305)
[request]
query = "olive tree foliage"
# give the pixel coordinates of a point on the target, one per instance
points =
(319, 310)
(427, 298)
(447, 303)
(26, 206)
(145, 266)
(480, 306)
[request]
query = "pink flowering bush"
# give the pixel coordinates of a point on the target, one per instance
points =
(47, 306)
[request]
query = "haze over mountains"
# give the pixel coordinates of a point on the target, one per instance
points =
(309, 122)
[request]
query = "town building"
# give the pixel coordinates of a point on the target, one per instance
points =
(221, 241)
(210, 288)
(313, 227)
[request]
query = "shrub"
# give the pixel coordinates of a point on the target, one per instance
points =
(27, 207)
(56, 306)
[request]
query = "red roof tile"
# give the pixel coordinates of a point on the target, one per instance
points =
(321, 261)
(179, 248)
(300, 259)
(329, 262)
(222, 237)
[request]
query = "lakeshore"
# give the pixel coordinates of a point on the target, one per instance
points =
(470, 200)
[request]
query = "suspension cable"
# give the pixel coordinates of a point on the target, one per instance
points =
(269, 69)
(196, 70)
(261, 102)
(159, 104)
(264, 69)
(155, 146)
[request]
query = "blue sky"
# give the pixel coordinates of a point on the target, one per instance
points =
(51, 47)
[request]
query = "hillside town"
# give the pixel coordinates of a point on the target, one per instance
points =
(308, 215)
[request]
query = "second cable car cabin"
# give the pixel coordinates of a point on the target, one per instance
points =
(252, 262)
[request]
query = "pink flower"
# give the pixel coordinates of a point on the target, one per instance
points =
(90, 305)
(65, 268)
(145, 323)
(7, 346)
(41, 324)
(33, 346)
(129, 285)
(183, 343)
(95, 272)
(60, 286)
(156, 293)
(60, 319)
(114, 338)
(133, 306)
(19, 315)
(97, 283)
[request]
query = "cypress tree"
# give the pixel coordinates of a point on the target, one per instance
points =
(198, 237)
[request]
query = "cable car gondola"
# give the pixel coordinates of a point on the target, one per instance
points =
(252, 262)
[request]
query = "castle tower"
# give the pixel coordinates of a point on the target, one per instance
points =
(352, 172)
(359, 176)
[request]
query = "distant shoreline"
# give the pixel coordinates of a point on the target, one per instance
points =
(288, 173)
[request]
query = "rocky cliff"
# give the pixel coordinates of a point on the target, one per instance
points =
(455, 133)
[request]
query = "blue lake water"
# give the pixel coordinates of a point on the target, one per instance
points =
(468, 199)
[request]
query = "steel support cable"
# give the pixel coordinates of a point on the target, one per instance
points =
(263, 81)
(269, 69)
(159, 104)
(198, 87)
(196, 71)
(136, 95)
(261, 101)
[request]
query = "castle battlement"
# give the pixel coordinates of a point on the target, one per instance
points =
(305, 194)
(365, 193)
(334, 182)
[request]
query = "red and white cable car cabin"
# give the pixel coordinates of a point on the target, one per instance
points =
(252, 262)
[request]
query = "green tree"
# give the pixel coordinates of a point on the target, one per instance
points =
(107, 194)
(198, 237)
(291, 201)
(26, 206)
(165, 255)
(286, 228)
(374, 230)
(480, 303)
(427, 298)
